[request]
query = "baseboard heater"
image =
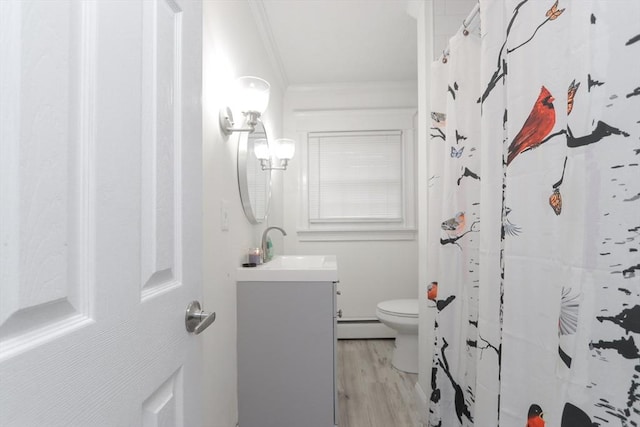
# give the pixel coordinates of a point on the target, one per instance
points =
(359, 320)
(363, 328)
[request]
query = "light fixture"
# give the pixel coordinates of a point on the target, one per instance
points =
(251, 97)
(261, 149)
(282, 152)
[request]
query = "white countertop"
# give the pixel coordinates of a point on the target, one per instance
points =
(292, 268)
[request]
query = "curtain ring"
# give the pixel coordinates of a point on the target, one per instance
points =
(444, 57)
(465, 32)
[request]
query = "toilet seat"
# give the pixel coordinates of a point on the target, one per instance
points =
(399, 308)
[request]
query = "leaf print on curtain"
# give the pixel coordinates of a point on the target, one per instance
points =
(550, 333)
(457, 198)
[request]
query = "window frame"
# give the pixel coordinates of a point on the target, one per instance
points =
(398, 119)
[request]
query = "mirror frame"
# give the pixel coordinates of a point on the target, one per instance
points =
(245, 154)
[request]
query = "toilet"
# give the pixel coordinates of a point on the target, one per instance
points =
(401, 315)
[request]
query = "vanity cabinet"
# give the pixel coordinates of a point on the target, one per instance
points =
(287, 354)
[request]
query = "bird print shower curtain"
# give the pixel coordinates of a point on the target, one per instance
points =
(534, 217)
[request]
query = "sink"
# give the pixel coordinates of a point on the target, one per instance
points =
(292, 268)
(295, 262)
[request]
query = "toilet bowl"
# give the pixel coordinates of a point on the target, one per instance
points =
(401, 315)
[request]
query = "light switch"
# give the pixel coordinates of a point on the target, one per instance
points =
(224, 215)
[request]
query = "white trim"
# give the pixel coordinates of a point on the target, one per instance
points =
(353, 87)
(354, 119)
(266, 34)
(347, 120)
(426, 41)
(337, 235)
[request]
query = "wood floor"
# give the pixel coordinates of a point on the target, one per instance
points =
(371, 392)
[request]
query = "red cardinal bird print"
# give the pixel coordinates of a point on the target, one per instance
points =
(537, 126)
(535, 416)
(432, 291)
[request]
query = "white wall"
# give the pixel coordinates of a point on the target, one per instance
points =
(370, 271)
(232, 47)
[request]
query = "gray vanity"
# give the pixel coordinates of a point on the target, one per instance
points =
(287, 343)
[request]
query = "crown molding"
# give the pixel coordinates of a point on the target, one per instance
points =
(266, 34)
(354, 86)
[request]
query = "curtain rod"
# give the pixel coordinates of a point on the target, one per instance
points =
(471, 16)
(465, 24)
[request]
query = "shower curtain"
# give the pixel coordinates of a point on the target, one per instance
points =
(534, 217)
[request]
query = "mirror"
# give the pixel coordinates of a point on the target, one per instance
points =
(254, 183)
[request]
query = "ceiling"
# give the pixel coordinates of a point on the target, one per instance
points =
(339, 41)
(346, 41)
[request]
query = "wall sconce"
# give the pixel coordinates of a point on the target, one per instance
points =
(251, 97)
(282, 152)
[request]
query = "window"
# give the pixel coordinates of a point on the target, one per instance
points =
(359, 186)
(355, 176)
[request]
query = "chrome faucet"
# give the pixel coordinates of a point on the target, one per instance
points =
(264, 241)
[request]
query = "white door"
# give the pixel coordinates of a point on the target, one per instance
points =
(100, 212)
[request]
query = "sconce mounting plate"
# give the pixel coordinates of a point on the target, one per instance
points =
(226, 120)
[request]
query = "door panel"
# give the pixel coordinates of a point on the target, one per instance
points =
(100, 212)
(161, 145)
(164, 406)
(46, 289)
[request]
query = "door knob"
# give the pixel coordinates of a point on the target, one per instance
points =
(196, 320)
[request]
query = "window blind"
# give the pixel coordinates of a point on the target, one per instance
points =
(355, 176)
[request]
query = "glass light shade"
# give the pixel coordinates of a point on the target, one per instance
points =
(285, 148)
(261, 149)
(251, 94)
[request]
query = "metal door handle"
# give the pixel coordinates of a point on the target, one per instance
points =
(196, 320)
